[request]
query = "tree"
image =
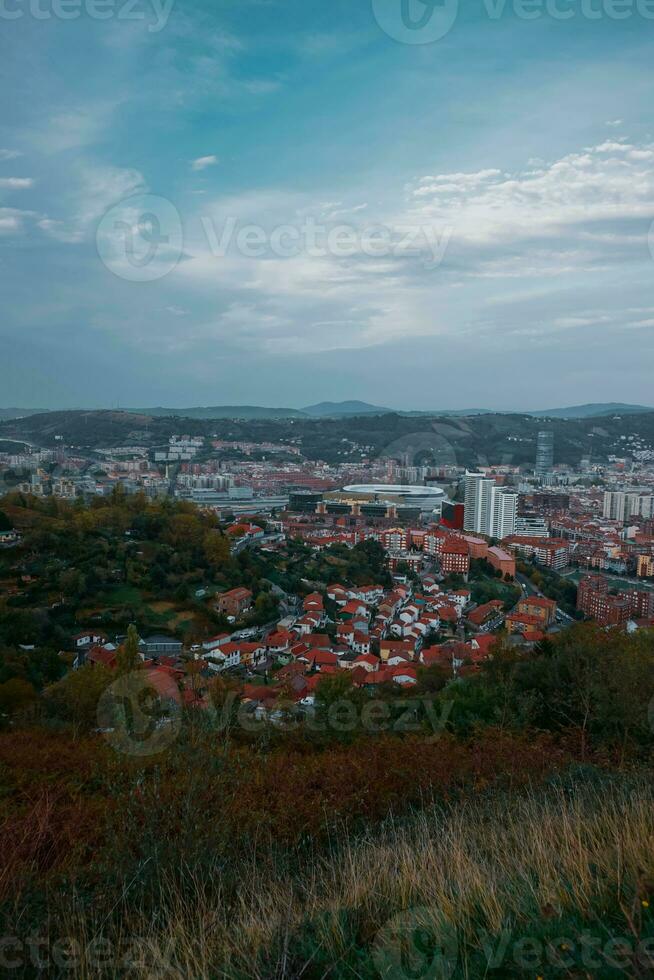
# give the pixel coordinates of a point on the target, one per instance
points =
(75, 697)
(432, 679)
(128, 657)
(72, 583)
(15, 695)
(216, 548)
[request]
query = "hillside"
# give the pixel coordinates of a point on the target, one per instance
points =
(469, 441)
(592, 411)
(344, 408)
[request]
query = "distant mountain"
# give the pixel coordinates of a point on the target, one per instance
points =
(334, 409)
(222, 412)
(591, 411)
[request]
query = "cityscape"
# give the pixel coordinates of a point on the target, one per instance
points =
(327, 490)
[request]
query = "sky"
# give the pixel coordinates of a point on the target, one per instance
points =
(278, 202)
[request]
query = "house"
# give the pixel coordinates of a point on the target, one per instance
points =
(361, 642)
(404, 675)
(320, 641)
(104, 656)
(235, 602)
(313, 602)
(319, 659)
(157, 644)
(370, 594)
(251, 653)
(249, 531)
(460, 598)
(481, 646)
(337, 594)
(352, 608)
(367, 662)
(228, 655)
(488, 611)
(89, 638)
(544, 609)
(388, 647)
(345, 632)
(517, 622)
(279, 641)
(436, 655)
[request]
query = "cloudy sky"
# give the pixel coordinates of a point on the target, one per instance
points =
(276, 202)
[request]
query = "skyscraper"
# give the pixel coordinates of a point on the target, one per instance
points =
(489, 509)
(544, 453)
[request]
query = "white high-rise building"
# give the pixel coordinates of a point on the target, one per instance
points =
(620, 505)
(489, 508)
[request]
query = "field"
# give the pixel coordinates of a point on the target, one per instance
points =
(515, 862)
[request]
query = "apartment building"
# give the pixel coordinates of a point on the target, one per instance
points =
(489, 509)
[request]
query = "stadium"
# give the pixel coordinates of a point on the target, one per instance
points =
(425, 499)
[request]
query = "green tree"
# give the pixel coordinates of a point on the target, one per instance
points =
(128, 657)
(15, 695)
(75, 697)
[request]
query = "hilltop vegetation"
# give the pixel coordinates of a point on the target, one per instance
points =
(122, 559)
(522, 827)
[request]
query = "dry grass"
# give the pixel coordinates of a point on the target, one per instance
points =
(482, 865)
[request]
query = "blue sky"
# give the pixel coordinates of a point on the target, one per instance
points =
(507, 169)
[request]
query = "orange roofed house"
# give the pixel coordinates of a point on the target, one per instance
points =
(235, 602)
(541, 607)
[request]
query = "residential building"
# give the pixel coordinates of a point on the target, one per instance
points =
(539, 606)
(502, 561)
(550, 552)
(489, 509)
(235, 602)
(645, 566)
(620, 505)
(594, 601)
(455, 557)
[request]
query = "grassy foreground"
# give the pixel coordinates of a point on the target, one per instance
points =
(553, 881)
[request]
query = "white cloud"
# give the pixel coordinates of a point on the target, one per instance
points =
(16, 183)
(9, 224)
(10, 154)
(201, 163)
(611, 183)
